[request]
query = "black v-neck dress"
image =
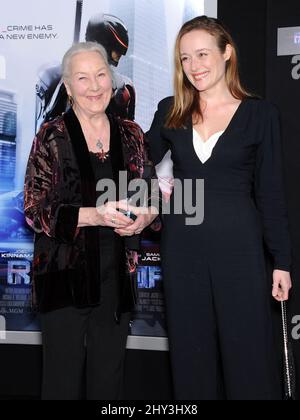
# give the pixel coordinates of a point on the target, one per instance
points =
(217, 294)
(111, 246)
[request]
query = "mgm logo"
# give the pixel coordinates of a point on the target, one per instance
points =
(2, 328)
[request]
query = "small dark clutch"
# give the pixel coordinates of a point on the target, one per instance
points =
(129, 214)
(289, 379)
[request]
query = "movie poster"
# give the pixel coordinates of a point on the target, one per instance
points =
(33, 38)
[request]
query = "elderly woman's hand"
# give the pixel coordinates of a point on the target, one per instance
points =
(144, 218)
(106, 215)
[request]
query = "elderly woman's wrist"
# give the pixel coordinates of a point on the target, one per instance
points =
(87, 216)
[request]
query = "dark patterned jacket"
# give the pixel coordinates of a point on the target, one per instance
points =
(59, 180)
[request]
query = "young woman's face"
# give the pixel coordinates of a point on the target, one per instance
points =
(202, 61)
(89, 82)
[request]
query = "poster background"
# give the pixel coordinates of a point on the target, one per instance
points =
(34, 36)
(23, 56)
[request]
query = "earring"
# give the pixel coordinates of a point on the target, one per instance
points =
(71, 100)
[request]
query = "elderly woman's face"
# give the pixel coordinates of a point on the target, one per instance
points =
(89, 82)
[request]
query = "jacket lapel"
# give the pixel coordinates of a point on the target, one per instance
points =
(81, 152)
(116, 150)
(88, 195)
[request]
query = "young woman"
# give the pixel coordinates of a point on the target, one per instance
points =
(217, 295)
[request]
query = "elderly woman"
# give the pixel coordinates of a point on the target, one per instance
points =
(83, 266)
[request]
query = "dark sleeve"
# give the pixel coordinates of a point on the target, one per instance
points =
(152, 195)
(269, 192)
(43, 210)
(149, 174)
(158, 144)
(137, 144)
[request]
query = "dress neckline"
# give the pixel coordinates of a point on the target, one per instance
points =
(223, 134)
(101, 157)
(212, 137)
(234, 116)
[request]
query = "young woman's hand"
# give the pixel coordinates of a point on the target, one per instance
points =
(282, 284)
(144, 217)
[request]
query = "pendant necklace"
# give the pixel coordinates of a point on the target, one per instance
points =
(101, 155)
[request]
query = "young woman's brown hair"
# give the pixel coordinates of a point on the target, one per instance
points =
(186, 97)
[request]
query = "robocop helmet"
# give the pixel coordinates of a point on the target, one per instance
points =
(109, 31)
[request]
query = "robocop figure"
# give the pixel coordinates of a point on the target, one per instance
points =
(51, 95)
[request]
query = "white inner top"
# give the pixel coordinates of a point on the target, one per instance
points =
(202, 148)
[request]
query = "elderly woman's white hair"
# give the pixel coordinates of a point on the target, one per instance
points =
(79, 48)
